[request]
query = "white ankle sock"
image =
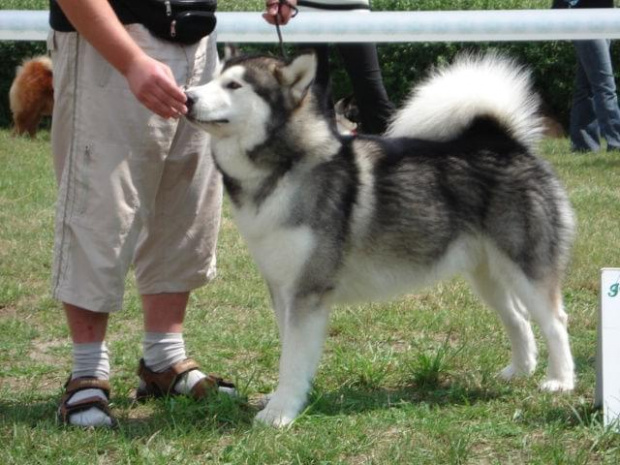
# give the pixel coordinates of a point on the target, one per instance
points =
(162, 350)
(90, 360)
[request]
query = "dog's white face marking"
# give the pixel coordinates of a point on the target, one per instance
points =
(234, 114)
(228, 106)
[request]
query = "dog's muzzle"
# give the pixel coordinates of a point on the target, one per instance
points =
(190, 103)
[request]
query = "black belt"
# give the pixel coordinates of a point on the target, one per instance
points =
(59, 22)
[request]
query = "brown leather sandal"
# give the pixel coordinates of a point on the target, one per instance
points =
(162, 384)
(73, 386)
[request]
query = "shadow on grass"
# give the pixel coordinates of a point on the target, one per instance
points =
(361, 399)
(540, 409)
(183, 415)
(179, 415)
(140, 420)
(27, 412)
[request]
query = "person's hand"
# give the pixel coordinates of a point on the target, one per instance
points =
(280, 11)
(153, 84)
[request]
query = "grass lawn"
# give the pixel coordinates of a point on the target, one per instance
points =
(411, 381)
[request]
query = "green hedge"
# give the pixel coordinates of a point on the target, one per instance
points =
(552, 63)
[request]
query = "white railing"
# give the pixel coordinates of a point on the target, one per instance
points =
(410, 26)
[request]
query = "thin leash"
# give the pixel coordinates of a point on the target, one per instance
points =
(278, 30)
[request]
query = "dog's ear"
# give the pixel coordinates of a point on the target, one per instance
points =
(298, 75)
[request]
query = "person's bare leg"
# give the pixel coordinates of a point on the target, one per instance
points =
(85, 326)
(164, 313)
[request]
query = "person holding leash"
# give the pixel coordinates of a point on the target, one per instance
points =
(137, 186)
(360, 61)
(594, 111)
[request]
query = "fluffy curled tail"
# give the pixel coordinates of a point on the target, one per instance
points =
(447, 102)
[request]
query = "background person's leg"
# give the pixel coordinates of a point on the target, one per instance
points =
(362, 65)
(595, 62)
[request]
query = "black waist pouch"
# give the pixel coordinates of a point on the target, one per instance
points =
(183, 21)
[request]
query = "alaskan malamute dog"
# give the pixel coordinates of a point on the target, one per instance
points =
(455, 186)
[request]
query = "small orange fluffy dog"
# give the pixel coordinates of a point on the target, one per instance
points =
(31, 95)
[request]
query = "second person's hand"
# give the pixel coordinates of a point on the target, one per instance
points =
(282, 11)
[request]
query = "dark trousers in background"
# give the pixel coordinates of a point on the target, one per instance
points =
(595, 111)
(362, 66)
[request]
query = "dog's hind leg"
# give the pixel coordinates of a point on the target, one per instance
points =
(496, 293)
(303, 329)
(543, 300)
(26, 123)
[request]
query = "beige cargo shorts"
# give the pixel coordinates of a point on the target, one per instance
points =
(134, 188)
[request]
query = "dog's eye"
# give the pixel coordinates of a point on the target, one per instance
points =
(232, 85)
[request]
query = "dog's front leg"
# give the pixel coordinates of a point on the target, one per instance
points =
(302, 328)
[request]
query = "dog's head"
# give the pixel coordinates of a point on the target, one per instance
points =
(251, 97)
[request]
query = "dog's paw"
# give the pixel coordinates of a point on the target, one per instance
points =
(282, 409)
(556, 385)
(273, 416)
(512, 372)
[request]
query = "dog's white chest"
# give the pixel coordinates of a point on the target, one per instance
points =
(282, 254)
(280, 250)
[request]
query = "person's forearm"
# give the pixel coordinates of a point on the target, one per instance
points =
(97, 22)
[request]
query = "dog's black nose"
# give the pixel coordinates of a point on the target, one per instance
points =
(191, 100)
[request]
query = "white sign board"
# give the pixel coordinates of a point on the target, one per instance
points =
(608, 356)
